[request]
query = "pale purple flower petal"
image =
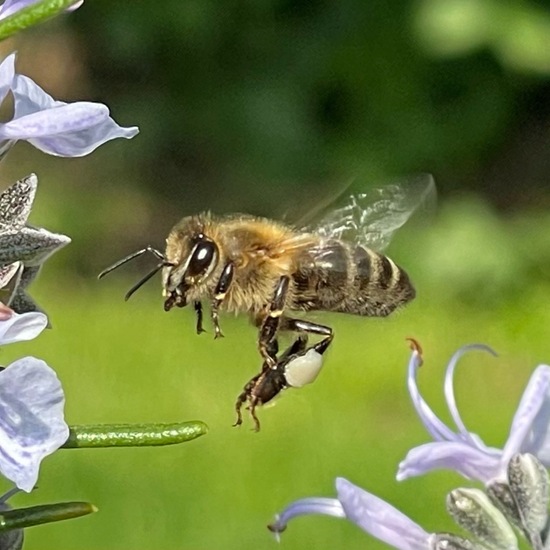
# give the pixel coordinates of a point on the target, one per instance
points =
(435, 427)
(19, 327)
(448, 389)
(530, 431)
(32, 425)
(58, 128)
(9, 7)
(380, 519)
(468, 461)
(71, 118)
(7, 74)
(464, 451)
(367, 511)
(306, 507)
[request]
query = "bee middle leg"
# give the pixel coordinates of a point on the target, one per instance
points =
(198, 310)
(270, 323)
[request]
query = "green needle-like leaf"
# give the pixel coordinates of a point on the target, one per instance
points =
(133, 435)
(32, 15)
(45, 513)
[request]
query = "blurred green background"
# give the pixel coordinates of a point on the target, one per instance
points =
(258, 107)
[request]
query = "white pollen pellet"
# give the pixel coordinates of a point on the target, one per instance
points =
(304, 369)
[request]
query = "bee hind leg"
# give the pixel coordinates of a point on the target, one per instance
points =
(307, 327)
(259, 390)
(269, 382)
(245, 396)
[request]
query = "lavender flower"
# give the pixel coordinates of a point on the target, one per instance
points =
(367, 511)
(10, 7)
(517, 483)
(464, 451)
(381, 520)
(32, 425)
(57, 128)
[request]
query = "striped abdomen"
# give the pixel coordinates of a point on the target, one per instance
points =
(338, 276)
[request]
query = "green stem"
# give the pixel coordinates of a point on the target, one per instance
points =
(32, 15)
(133, 435)
(45, 513)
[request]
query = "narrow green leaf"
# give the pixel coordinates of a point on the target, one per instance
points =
(133, 435)
(45, 513)
(32, 15)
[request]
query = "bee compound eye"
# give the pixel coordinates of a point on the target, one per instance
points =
(202, 259)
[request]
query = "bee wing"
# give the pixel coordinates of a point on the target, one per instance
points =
(371, 218)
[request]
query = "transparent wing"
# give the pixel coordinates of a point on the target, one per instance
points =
(371, 218)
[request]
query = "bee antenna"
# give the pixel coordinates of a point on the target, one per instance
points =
(141, 282)
(116, 265)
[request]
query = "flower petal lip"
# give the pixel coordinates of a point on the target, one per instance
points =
(530, 430)
(380, 519)
(72, 117)
(7, 71)
(79, 144)
(81, 128)
(20, 327)
(468, 461)
(367, 511)
(32, 424)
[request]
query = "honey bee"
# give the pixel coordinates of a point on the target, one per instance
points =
(247, 264)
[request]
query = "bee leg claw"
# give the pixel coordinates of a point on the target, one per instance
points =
(252, 409)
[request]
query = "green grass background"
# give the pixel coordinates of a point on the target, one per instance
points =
(132, 362)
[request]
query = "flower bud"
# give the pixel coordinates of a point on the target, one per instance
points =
(472, 510)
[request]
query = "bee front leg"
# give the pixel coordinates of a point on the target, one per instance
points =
(226, 278)
(270, 323)
(198, 311)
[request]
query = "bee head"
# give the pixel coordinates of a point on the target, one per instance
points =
(194, 256)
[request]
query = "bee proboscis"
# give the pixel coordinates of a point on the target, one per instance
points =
(242, 263)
